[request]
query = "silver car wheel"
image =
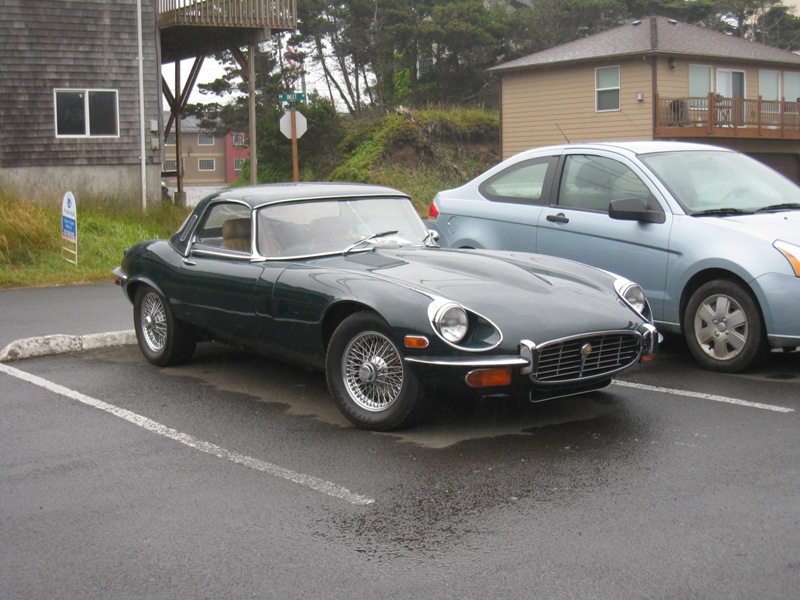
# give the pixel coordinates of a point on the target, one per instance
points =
(373, 371)
(154, 322)
(721, 327)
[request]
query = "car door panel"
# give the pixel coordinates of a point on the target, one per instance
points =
(578, 227)
(221, 297)
(511, 204)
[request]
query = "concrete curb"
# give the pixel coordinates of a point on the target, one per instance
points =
(50, 345)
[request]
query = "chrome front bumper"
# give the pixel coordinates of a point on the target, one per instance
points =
(596, 360)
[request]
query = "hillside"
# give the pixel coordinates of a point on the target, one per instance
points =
(421, 152)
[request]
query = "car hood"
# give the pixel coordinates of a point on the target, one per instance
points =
(508, 288)
(769, 227)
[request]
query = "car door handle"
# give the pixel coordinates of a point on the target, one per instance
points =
(189, 263)
(559, 218)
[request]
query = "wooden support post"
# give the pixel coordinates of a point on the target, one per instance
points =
(252, 110)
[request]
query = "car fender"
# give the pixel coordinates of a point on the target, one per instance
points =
(305, 320)
(731, 251)
(146, 264)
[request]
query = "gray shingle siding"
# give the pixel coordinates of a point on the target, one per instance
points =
(85, 44)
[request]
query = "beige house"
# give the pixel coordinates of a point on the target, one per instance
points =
(206, 159)
(656, 79)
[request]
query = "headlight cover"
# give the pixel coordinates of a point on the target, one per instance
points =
(633, 295)
(792, 254)
(451, 322)
(462, 328)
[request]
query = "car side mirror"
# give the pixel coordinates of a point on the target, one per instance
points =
(634, 209)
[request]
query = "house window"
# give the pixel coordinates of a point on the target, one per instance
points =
(170, 141)
(205, 139)
(86, 113)
(607, 88)
(170, 165)
(238, 164)
(206, 164)
(699, 86)
(239, 140)
(769, 85)
(730, 84)
(791, 86)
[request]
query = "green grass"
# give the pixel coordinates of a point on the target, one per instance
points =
(421, 184)
(31, 245)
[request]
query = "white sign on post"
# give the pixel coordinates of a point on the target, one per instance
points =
(293, 125)
(69, 228)
(301, 124)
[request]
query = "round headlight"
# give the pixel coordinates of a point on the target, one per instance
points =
(634, 295)
(451, 322)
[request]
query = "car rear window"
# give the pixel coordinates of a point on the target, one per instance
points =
(525, 182)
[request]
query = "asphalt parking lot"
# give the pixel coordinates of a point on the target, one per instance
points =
(234, 476)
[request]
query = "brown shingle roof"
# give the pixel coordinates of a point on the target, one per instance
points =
(654, 35)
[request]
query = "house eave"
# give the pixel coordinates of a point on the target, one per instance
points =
(643, 54)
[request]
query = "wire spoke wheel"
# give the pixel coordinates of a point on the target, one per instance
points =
(368, 376)
(153, 322)
(373, 371)
(162, 338)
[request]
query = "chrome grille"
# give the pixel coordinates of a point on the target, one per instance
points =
(586, 357)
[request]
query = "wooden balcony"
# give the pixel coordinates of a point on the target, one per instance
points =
(192, 28)
(715, 116)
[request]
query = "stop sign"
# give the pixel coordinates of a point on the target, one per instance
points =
(301, 124)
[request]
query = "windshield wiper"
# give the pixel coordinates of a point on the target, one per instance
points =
(777, 207)
(722, 212)
(369, 238)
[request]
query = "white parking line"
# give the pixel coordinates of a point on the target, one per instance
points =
(318, 485)
(702, 396)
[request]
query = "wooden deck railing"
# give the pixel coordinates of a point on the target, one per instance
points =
(274, 14)
(727, 117)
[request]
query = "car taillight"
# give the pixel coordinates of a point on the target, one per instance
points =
(433, 212)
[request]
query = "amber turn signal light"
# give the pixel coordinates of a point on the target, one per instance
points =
(489, 377)
(416, 341)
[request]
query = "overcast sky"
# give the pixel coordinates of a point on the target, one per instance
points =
(210, 71)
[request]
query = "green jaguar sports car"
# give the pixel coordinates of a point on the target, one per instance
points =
(346, 278)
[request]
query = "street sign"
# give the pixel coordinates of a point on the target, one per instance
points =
(69, 228)
(291, 98)
(301, 124)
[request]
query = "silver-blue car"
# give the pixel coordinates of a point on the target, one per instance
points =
(712, 235)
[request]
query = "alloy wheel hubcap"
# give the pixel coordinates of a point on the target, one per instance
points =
(721, 328)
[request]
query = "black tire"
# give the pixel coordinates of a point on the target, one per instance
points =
(723, 327)
(162, 338)
(368, 378)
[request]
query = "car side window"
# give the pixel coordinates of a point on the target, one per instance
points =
(592, 182)
(526, 182)
(226, 225)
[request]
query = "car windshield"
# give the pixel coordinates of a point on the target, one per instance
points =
(332, 226)
(711, 182)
